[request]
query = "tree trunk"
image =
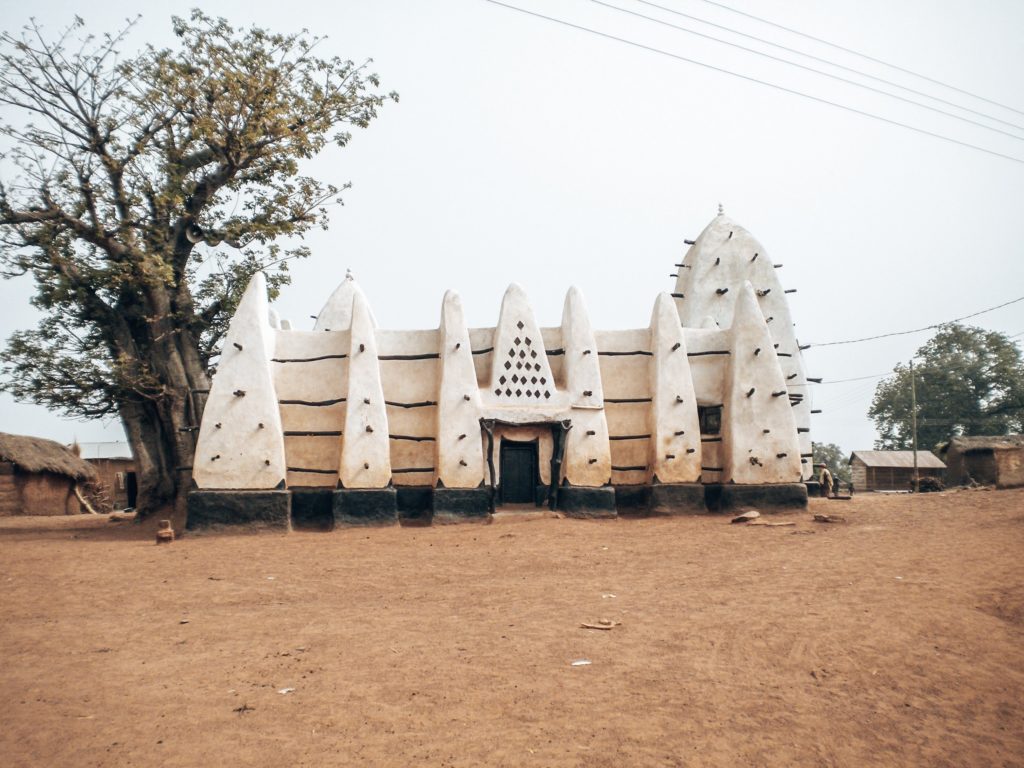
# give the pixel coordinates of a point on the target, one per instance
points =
(163, 430)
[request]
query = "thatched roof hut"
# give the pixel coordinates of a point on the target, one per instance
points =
(987, 459)
(40, 477)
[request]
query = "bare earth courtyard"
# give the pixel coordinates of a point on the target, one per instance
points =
(895, 639)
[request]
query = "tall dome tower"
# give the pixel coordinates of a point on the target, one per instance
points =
(710, 277)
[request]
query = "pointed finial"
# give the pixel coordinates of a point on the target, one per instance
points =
(721, 210)
(350, 276)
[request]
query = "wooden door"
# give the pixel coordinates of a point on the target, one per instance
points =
(518, 472)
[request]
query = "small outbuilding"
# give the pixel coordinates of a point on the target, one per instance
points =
(115, 465)
(990, 460)
(892, 470)
(41, 477)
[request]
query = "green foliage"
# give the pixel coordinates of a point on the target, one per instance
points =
(969, 382)
(148, 188)
(832, 455)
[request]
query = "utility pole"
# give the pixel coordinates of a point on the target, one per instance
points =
(913, 421)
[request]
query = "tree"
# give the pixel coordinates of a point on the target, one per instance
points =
(832, 455)
(146, 191)
(969, 382)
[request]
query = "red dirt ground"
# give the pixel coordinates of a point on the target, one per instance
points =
(895, 639)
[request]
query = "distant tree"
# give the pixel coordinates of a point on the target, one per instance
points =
(146, 190)
(969, 382)
(834, 456)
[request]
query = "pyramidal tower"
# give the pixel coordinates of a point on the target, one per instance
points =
(709, 282)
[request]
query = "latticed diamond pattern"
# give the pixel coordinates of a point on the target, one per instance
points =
(527, 371)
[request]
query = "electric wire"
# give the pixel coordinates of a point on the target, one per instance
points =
(918, 330)
(806, 68)
(829, 62)
(862, 55)
(751, 79)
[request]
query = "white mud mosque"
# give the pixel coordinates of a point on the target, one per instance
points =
(707, 408)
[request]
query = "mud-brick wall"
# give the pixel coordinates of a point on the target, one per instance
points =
(409, 377)
(45, 493)
(626, 377)
(10, 496)
(1010, 467)
(311, 381)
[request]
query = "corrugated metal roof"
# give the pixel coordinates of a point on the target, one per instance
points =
(925, 459)
(115, 449)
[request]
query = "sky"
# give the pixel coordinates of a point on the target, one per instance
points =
(529, 151)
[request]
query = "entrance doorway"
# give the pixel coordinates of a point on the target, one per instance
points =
(519, 475)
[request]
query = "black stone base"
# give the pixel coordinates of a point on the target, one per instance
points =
(413, 504)
(677, 499)
(462, 505)
(764, 498)
(365, 506)
(587, 503)
(632, 500)
(313, 509)
(269, 509)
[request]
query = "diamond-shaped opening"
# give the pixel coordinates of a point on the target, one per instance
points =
(518, 341)
(546, 394)
(519, 325)
(501, 380)
(533, 353)
(522, 353)
(508, 393)
(519, 393)
(507, 365)
(519, 364)
(536, 393)
(515, 378)
(533, 379)
(511, 352)
(497, 391)
(543, 380)
(528, 342)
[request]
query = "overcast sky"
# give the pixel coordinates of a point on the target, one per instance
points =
(527, 151)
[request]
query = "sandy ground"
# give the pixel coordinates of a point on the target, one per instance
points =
(896, 639)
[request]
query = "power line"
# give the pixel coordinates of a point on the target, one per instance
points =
(917, 330)
(862, 55)
(804, 67)
(748, 78)
(894, 372)
(830, 63)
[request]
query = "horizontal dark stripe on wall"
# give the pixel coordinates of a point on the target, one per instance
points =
(624, 354)
(628, 469)
(627, 399)
(313, 471)
(313, 403)
(424, 356)
(306, 359)
(628, 437)
(411, 470)
(299, 433)
(424, 404)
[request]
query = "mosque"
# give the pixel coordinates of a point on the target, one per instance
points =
(705, 409)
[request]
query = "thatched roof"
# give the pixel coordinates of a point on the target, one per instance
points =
(965, 444)
(34, 454)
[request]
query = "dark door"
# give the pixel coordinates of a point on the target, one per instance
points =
(131, 488)
(518, 472)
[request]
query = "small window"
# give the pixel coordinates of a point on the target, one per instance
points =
(119, 480)
(710, 417)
